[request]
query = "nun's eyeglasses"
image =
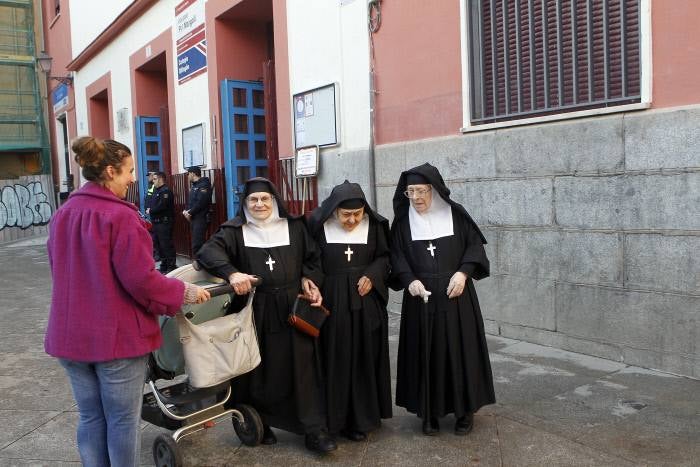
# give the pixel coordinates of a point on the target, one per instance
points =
(253, 200)
(420, 193)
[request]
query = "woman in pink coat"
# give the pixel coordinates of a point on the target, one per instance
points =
(106, 297)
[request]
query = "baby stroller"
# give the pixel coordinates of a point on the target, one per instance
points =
(178, 406)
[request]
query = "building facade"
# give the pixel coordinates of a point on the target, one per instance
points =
(567, 128)
(26, 189)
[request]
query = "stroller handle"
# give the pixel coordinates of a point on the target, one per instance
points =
(223, 288)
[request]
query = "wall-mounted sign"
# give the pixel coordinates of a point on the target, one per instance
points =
(59, 97)
(315, 115)
(193, 146)
(306, 162)
(190, 39)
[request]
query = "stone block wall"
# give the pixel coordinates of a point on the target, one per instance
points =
(593, 228)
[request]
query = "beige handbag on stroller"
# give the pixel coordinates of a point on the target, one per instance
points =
(219, 349)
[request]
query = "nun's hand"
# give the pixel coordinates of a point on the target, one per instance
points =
(416, 288)
(456, 285)
(364, 286)
(311, 290)
(240, 283)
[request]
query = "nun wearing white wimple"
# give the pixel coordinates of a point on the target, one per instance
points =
(266, 241)
(437, 251)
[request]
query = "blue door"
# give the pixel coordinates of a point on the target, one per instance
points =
(243, 125)
(150, 151)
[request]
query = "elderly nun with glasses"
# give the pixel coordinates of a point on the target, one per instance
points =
(437, 251)
(264, 240)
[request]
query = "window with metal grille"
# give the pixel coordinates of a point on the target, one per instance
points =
(538, 57)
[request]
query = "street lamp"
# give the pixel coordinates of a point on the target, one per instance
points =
(43, 60)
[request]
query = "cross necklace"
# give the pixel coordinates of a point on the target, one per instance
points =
(349, 253)
(270, 262)
(431, 249)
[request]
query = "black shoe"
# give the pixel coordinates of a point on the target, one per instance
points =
(269, 436)
(464, 424)
(354, 435)
(320, 442)
(431, 428)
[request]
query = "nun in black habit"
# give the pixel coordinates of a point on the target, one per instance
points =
(355, 255)
(437, 251)
(264, 240)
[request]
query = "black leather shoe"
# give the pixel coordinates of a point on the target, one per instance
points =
(464, 424)
(320, 442)
(431, 428)
(354, 435)
(269, 436)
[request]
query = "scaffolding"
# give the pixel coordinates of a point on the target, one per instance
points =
(22, 129)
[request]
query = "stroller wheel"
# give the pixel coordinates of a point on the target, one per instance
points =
(165, 452)
(250, 430)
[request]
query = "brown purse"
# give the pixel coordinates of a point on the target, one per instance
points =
(306, 318)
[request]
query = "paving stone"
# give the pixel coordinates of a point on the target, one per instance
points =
(18, 423)
(522, 445)
(51, 442)
(33, 391)
(554, 407)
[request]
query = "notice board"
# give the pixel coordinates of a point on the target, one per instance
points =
(315, 117)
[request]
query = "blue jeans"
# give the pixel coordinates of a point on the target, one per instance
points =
(109, 396)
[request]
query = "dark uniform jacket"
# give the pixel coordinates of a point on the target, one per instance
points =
(200, 198)
(162, 205)
(149, 196)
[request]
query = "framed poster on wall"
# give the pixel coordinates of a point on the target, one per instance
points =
(193, 146)
(315, 117)
(306, 162)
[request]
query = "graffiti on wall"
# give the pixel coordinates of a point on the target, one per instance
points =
(24, 205)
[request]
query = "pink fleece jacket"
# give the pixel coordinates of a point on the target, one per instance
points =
(106, 290)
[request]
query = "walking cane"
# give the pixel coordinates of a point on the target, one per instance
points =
(428, 330)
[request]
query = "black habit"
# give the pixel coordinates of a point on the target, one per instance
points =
(355, 336)
(460, 379)
(286, 388)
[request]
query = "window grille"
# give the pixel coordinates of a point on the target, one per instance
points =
(538, 57)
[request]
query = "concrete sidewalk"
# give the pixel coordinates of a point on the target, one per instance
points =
(554, 407)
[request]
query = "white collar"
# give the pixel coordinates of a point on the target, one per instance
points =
(271, 232)
(335, 233)
(435, 223)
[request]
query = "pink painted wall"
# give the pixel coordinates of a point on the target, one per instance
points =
(676, 52)
(150, 91)
(236, 48)
(284, 110)
(57, 44)
(153, 86)
(418, 69)
(245, 50)
(99, 99)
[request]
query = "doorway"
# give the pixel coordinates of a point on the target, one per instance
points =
(150, 151)
(245, 146)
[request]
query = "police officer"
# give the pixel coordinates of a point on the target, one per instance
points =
(197, 212)
(147, 200)
(162, 212)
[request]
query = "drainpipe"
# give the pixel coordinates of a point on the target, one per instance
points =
(372, 169)
(374, 17)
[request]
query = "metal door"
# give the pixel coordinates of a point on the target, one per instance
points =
(150, 152)
(243, 125)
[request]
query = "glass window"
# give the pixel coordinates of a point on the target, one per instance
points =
(242, 151)
(538, 58)
(240, 123)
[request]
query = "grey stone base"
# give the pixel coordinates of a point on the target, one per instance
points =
(593, 227)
